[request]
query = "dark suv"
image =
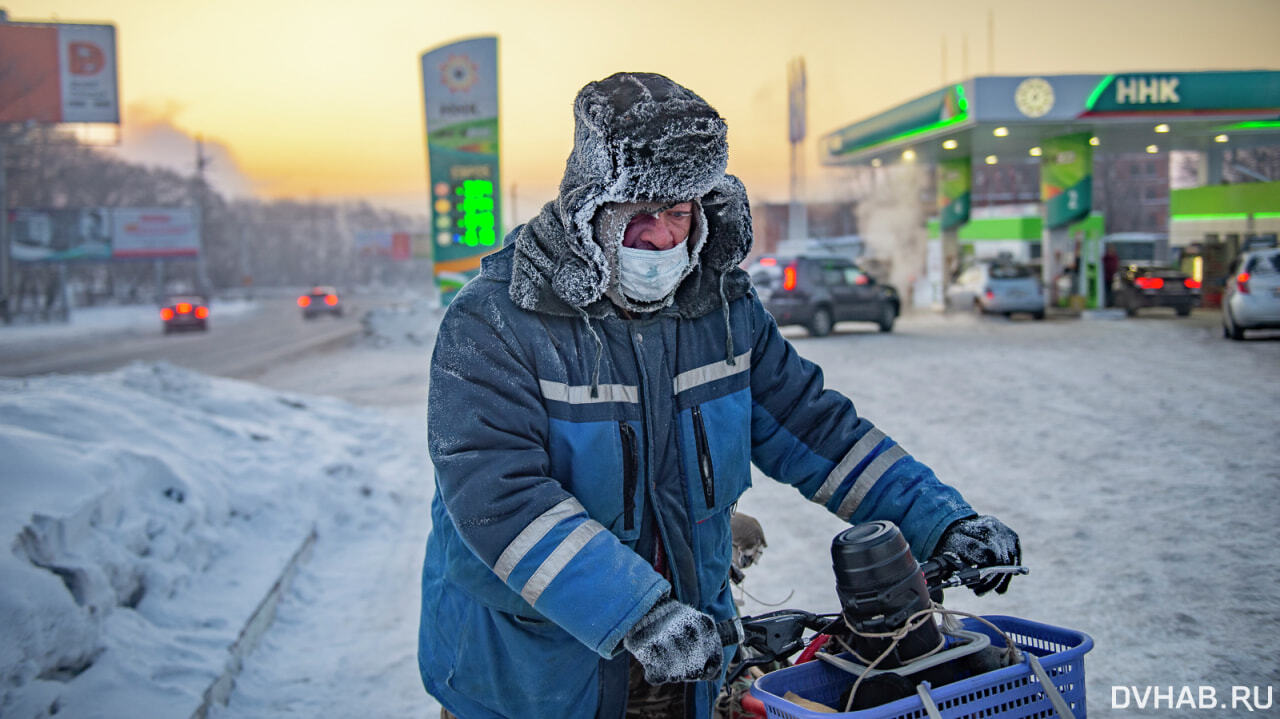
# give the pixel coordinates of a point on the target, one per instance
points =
(818, 291)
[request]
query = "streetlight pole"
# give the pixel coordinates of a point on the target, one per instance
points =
(6, 279)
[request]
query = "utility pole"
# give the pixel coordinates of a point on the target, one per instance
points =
(944, 61)
(6, 280)
(6, 276)
(202, 161)
(511, 213)
(991, 42)
(797, 218)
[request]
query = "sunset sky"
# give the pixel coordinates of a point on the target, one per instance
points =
(322, 99)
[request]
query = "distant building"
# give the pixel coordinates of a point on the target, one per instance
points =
(826, 220)
(1132, 191)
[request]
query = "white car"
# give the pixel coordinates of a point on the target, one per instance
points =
(1252, 298)
(998, 288)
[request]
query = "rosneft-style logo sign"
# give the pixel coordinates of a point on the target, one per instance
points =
(86, 58)
(458, 73)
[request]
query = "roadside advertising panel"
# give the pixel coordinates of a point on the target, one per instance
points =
(154, 232)
(1066, 178)
(460, 94)
(954, 191)
(52, 73)
(60, 235)
(389, 244)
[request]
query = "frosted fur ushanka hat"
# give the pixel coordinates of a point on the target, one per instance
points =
(638, 137)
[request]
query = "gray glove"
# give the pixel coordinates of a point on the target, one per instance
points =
(675, 643)
(983, 542)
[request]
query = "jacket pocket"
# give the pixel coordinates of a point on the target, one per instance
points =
(630, 474)
(715, 447)
(706, 470)
(497, 646)
(600, 464)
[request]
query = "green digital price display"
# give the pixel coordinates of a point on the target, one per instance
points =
(475, 213)
(465, 213)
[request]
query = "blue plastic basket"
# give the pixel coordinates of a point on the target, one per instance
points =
(1011, 692)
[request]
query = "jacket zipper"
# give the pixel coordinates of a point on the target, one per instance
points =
(630, 474)
(704, 459)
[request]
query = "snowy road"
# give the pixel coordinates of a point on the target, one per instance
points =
(243, 339)
(1135, 457)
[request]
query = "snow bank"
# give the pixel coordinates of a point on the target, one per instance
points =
(409, 324)
(149, 510)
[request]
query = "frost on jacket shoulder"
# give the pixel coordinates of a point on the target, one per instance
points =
(638, 137)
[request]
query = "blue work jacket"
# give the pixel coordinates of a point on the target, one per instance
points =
(552, 436)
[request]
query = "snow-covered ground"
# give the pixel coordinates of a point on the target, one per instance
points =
(150, 508)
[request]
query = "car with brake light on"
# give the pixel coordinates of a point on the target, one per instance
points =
(818, 291)
(1252, 297)
(1138, 287)
(321, 300)
(998, 287)
(180, 313)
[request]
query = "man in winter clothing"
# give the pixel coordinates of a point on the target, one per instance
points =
(598, 396)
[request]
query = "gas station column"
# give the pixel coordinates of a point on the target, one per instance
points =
(1066, 194)
(955, 182)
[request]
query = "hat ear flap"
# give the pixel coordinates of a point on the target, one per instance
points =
(728, 214)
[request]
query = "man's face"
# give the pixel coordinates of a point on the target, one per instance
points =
(659, 232)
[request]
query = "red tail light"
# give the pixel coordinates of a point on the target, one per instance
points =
(1242, 283)
(768, 261)
(1149, 283)
(1191, 284)
(789, 278)
(989, 294)
(861, 280)
(202, 313)
(331, 300)
(166, 314)
(304, 301)
(184, 308)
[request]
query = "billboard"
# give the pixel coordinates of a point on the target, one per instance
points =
(384, 243)
(52, 73)
(154, 232)
(460, 95)
(103, 233)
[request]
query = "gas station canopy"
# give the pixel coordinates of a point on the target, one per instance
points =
(998, 118)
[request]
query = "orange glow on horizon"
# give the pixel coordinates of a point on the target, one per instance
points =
(327, 102)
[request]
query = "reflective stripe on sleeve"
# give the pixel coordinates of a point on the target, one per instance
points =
(531, 534)
(581, 394)
(699, 376)
(852, 458)
(559, 558)
(868, 479)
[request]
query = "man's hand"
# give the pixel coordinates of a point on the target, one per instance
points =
(675, 643)
(983, 542)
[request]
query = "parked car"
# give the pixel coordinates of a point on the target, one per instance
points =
(1252, 297)
(995, 287)
(184, 312)
(818, 291)
(1137, 287)
(321, 300)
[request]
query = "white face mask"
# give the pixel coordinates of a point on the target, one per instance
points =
(651, 275)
